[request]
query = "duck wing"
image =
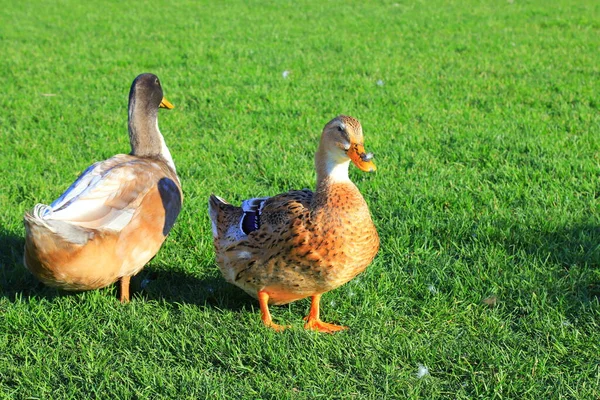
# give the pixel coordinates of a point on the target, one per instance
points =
(106, 195)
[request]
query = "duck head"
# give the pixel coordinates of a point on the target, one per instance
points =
(145, 98)
(342, 142)
(146, 94)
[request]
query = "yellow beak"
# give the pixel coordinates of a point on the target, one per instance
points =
(166, 104)
(360, 158)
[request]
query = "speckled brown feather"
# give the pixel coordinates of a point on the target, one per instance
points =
(307, 244)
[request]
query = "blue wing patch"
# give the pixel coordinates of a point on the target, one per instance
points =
(251, 218)
(250, 221)
(171, 200)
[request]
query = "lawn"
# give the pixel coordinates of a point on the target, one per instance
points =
(484, 117)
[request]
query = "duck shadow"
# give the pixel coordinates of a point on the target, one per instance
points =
(15, 280)
(160, 283)
(572, 255)
(578, 246)
(179, 287)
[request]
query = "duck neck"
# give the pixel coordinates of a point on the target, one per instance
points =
(144, 135)
(330, 169)
(332, 174)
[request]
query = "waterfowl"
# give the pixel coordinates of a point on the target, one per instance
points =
(301, 243)
(114, 218)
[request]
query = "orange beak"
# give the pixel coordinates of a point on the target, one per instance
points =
(166, 104)
(360, 158)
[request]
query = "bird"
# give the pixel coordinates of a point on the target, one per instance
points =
(301, 243)
(114, 218)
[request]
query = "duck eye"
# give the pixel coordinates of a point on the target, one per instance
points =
(340, 129)
(157, 81)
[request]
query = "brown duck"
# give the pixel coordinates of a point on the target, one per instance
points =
(301, 243)
(114, 218)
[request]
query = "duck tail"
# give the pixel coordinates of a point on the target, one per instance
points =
(223, 216)
(44, 231)
(47, 239)
(39, 212)
(34, 220)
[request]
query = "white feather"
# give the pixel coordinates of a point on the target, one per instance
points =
(84, 202)
(165, 150)
(244, 255)
(422, 371)
(337, 171)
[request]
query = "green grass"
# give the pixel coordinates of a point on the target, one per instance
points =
(486, 130)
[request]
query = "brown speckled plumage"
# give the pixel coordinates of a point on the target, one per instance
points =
(307, 243)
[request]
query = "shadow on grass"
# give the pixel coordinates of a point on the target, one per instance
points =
(179, 287)
(15, 280)
(153, 283)
(573, 258)
(571, 247)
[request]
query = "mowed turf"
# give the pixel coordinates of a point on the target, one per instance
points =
(485, 121)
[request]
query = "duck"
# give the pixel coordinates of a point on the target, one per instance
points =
(301, 243)
(114, 218)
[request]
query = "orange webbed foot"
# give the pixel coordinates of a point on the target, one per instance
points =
(263, 300)
(314, 323)
(320, 326)
(276, 327)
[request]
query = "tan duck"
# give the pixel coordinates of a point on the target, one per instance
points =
(116, 215)
(301, 244)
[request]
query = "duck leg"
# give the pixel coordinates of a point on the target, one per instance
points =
(263, 300)
(314, 323)
(124, 289)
